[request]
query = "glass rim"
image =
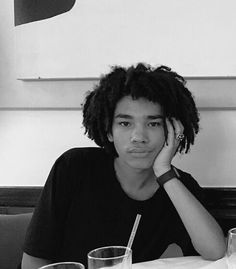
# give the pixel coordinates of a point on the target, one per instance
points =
(232, 230)
(109, 258)
(61, 263)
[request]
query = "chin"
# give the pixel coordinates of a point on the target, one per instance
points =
(140, 164)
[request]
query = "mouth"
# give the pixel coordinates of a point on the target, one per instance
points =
(139, 152)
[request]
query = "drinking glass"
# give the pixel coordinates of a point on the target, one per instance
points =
(117, 257)
(64, 265)
(231, 249)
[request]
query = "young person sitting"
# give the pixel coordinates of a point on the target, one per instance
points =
(140, 117)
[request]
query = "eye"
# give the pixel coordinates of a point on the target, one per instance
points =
(155, 123)
(124, 123)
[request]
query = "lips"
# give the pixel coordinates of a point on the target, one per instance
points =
(137, 151)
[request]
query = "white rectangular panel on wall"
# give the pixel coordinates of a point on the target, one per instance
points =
(31, 141)
(196, 38)
(212, 158)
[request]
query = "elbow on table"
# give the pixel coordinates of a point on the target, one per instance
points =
(215, 253)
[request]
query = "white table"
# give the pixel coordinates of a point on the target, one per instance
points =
(192, 262)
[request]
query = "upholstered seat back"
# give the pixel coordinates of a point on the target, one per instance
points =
(12, 234)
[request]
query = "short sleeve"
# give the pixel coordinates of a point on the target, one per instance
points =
(192, 185)
(45, 233)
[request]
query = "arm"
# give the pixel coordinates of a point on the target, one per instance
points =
(30, 262)
(206, 235)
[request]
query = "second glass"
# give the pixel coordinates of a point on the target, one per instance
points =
(118, 256)
(64, 265)
(231, 249)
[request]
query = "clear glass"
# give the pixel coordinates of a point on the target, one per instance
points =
(64, 265)
(118, 256)
(231, 249)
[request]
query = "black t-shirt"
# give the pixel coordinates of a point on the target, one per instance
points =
(83, 206)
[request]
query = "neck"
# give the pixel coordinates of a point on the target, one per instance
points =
(137, 183)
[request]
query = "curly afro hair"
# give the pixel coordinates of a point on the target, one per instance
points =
(159, 85)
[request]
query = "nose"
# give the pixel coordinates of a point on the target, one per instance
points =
(139, 135)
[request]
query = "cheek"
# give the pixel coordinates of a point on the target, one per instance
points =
(158, 138)
(162, 140)
(119, 135)
(159, 147)
(118, 139)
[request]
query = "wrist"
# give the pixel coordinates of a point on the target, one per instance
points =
(161, 171)
(167, 176)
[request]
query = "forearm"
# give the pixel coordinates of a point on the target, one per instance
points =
(206, 235)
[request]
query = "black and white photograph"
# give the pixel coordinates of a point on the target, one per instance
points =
(117, 134)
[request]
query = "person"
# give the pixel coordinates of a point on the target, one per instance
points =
(140, 117)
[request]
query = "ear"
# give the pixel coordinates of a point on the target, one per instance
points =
(110, 137)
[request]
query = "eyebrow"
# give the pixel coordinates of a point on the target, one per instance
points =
(151, 117)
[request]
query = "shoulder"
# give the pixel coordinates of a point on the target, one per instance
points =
(89, 152)
(191, 184)
(84, 155)
(76, 165)
(184, 174)
(187, 179)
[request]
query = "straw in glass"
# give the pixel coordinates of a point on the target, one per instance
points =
(131, 238)
(134, 230)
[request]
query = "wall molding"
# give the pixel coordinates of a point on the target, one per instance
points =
(80, 108)
(97, 78)
(23, 196)
(40, 108)
(210, 92)
(38, 79)
(219, 197)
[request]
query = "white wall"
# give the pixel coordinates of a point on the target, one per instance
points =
(31, 140)
(193, 37)
(212, 159)
(41, 119)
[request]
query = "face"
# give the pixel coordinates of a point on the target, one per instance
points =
(137, 132)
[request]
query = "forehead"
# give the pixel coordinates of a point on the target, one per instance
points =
(137, 107)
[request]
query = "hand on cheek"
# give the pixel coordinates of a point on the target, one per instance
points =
(163, 160)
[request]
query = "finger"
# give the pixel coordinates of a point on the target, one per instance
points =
(178, 126)
(179, 129)
(170, 132)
